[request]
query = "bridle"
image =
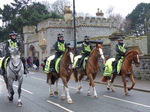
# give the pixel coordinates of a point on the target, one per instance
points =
(134, 55)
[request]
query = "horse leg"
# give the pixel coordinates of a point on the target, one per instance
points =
(10, 90)
(124, 82)
(108, 83)
(56, 91)
(89, 90)
(19, 92)
(50, 88)
(64, 80)
(111, 82)
(80, 83)
(133, 82)
(6, 81)
(93, 85)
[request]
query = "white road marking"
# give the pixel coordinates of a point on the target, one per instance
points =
(58, 105)
(38, 79)
(147, 106)
(17, 87)
(45, 81)
(24, 89)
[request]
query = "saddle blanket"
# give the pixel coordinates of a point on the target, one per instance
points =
(109, 68)
(48, 63)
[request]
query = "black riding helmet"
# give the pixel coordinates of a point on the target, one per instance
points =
(12, 33)
(86, 38)
(60, 35)
(120, 39)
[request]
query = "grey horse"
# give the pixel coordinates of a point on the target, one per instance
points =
(14, 72)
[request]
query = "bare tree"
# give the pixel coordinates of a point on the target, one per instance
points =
(59, 6)
(119, 19)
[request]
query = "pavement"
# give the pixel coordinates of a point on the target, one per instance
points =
(140, 85)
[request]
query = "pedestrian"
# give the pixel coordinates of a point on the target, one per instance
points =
(37, 63)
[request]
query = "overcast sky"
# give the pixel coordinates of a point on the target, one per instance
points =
(123, 7)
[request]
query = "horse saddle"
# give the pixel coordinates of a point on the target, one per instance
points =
(77, 60)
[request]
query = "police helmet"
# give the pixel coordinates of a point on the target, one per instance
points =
(60, 35)
(120, 39)
(12, 33)
(86, 38)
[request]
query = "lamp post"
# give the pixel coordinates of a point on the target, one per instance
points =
(74, 21)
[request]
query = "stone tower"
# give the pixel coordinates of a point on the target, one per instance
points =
(67, 13)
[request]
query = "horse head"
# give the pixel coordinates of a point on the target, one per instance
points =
(133, 55)
(14, 53)
(100, 52)
(68, 56)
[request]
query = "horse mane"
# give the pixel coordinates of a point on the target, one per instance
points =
(132, 50)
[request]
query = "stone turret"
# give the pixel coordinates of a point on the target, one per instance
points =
(99, 13)
(67, 13)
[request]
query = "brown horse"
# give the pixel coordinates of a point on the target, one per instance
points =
(65, 71)
(91, 69)
(126, 70)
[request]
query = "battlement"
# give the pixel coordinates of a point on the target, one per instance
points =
(80, 21)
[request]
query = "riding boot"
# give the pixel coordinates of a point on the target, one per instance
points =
(52, 66)
(115, 68)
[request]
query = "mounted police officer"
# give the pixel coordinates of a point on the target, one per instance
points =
(60, 47)
(85, 50)
(121, 50)
(12, 43)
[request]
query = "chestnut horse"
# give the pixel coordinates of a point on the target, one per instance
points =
(126, 70)
(91, 69)
(65, 71)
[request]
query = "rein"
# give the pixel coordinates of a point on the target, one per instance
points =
(68, 63)
(95, 58)
(130, 61)
(14, 67)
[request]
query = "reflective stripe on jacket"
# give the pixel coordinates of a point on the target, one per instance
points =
(12, 44)
(61, 46)
(86, 47)
(121, 48)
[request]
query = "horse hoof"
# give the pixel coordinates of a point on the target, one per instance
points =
(127, 94)
(78, 91)
(63, 97)
(19, 104)
(129, 89)
(10, 99)
(89, 94)
(70, 101)
(80, 88)
(51, 95)
(108, 88)
(112, 90)
(56, 93)
(96, 97)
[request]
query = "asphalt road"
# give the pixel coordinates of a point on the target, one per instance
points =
(35, 98)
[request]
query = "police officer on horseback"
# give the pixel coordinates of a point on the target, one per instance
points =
(85, 50)
(12, 43)
(121, 50)
(60, 47)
